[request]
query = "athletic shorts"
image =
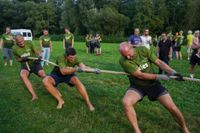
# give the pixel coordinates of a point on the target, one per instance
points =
(62, 79)
(33, 69)
(178, 49)
(98, 45)
(153, 92)
(7, 52)
(194, 59)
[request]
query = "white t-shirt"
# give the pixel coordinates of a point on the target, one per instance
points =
(146, 41)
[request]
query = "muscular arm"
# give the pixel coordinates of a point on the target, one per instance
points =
(164, 66)
(145, 76)
(67, 70)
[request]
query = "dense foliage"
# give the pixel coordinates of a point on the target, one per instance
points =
(108, 17)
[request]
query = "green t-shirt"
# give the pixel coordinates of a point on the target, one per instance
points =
(68, 37)
(27, 50)
(62, 62)
(8, 40)
(180, 40)
(143, 62)
(45, 41)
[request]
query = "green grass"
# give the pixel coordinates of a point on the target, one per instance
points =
(19, 115)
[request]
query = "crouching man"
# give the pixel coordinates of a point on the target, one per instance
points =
(65, 73)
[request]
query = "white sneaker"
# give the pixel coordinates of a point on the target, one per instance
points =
(192, 76)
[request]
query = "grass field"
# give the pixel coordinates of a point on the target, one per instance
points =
(19, 115)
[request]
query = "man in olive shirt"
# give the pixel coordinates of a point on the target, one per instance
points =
(65, 73)
(22, 50)
(46, 46)
(68, 39)
(138, 63)
(7, 42)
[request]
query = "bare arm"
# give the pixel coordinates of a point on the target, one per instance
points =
(145, 76)
(1, 43)
(164, 66)
(51, 45)
(41, 44)
(64, 43)
(170, 53)
(72, 42)
(67, 70)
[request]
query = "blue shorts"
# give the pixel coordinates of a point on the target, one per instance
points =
(62, 79)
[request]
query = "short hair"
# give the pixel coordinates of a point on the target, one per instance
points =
(19, 36)
(70, 51)
(67, 28)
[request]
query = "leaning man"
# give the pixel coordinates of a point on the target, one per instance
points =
(138, 63)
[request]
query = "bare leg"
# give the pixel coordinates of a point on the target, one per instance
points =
(177, 57)
(41, 74)
(5, 61)
(11, 62)
(180, 55)
(168, 103)
(24, 76)
(130, 99)
(49, 85)
(81, 88)
(192, 71)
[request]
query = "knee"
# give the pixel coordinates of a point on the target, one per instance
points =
(127, 103)
(46, 81)
(23, 75)
(74, 80)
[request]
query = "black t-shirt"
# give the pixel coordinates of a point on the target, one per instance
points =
(164, 47)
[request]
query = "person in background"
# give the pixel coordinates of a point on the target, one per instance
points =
(164, 50)
(68, 39)
(195, 57)
(135, 39)
(98, 44)
(87, 42)
(146, 39)
(178, 45)
(189, 43)
(7, 42)
(46, 46)
(174, 41)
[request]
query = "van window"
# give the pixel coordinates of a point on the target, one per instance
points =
(24, 34)
(29, 34)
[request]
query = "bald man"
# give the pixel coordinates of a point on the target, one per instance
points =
(22, 50)
(138, 63)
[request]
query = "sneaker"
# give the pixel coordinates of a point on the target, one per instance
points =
(192, 76)
(5, 64)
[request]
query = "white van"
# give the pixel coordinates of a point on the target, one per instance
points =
(25, 32)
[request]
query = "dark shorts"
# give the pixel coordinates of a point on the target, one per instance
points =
(98, 45)
(62, 79)
(33, 69)
(194, 59)
(68, 45)
(153, 92)
(7, 52)
(178, 49)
